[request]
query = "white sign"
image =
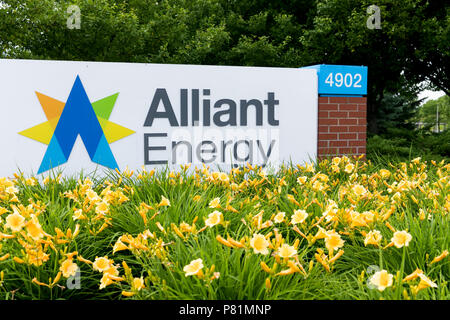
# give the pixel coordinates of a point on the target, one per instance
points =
(93, 115)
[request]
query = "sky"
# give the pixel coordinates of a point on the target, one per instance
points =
(430, 95)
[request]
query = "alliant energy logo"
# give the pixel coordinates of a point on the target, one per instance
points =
(205, 130)
(198, 130)
(219, 117)
(77, 117)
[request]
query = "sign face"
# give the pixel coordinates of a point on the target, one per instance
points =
(85, 116)
(341, 80)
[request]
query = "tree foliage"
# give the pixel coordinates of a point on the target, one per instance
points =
(397, 111)
(410, 48)
(434, 111)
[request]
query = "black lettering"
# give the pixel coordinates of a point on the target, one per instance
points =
(244, 111)
(271, 103)
(201, 151)
(195, 107)
(184, 107)
(230, 112)
(206, 109)
(175, 146)
(148, 148)
(161, 96)
(249, 156)
(224, 145)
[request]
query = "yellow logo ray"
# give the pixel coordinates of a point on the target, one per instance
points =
(53, 108)
(114, 131)
(42, 132)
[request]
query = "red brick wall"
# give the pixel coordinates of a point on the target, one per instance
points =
(342, 126)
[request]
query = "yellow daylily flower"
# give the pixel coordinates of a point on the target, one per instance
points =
(193, 268)
(68, 268)
(401, 238)
(259, 244)
(214, 218)
(299, 216)
(15, 222)
(382, 280)
(286, 251)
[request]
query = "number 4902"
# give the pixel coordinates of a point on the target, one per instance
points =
(348, 80)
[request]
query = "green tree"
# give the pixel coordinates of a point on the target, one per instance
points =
(411, 46)
(38, 29)
(436, 113)
(397, 111)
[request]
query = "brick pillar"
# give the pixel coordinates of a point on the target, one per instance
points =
(342, 126)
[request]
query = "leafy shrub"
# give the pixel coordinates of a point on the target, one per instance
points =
(403, 144)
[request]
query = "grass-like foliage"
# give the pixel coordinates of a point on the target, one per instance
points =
(339, 229)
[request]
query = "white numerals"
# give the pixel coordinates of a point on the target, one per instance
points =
(348, 80)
